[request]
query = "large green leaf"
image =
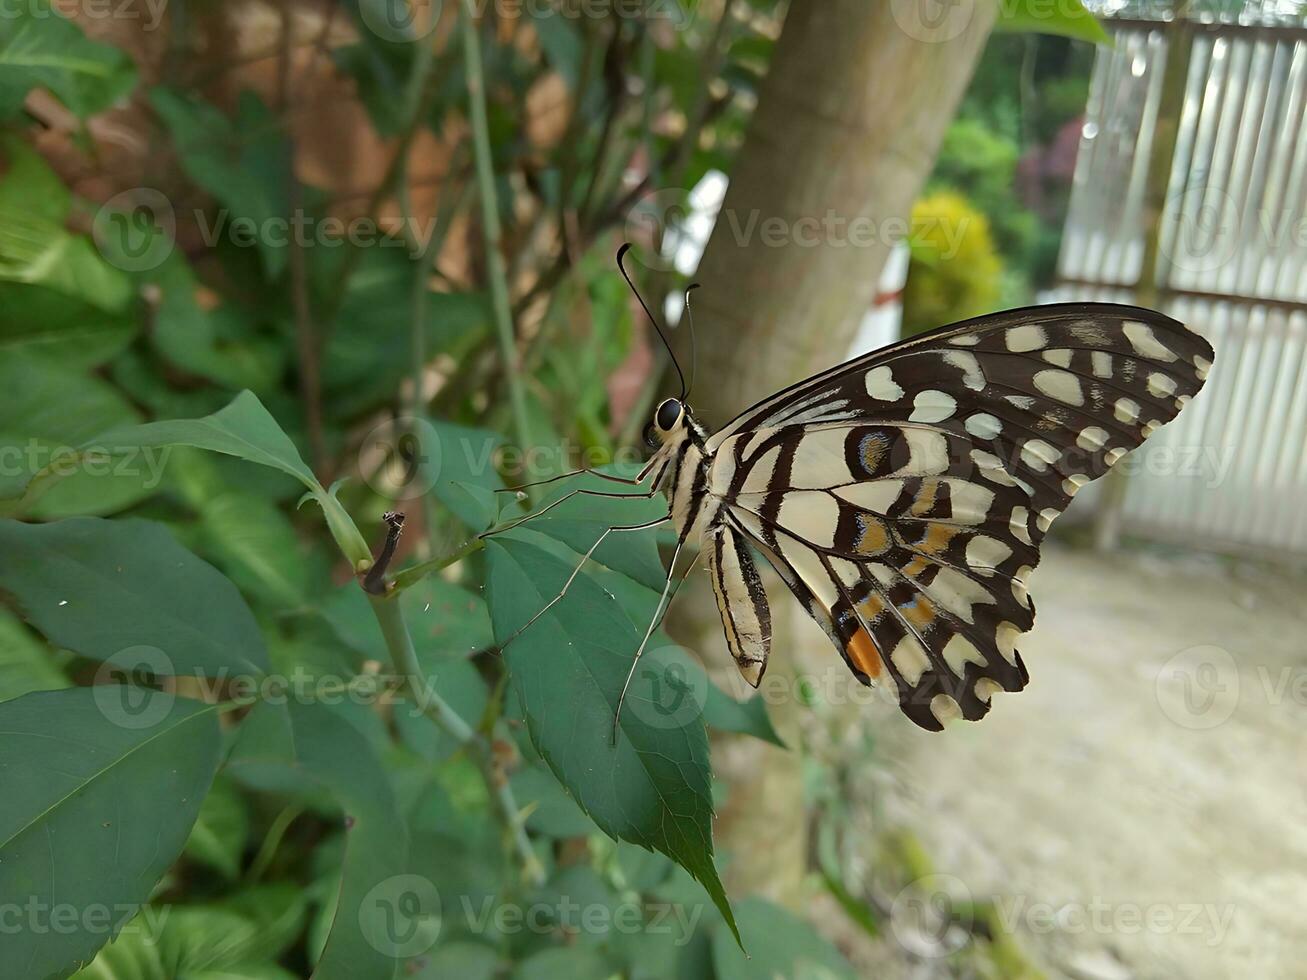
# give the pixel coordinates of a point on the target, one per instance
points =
(324, 750)
(36, 320)
(198, 943)
(1068, 19)
(125, 592)
(46, 413)
(101, 788)
(244, 163)
(654, 786)
(256, 545)
(25, 662)
(244, 428)
(36, 250)
(40, 49)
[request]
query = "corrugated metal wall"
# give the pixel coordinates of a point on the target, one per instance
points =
(1231, 261)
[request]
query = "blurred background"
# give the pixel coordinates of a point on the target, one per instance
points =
(387, 218)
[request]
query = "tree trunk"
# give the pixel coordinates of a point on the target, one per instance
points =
(846, 130)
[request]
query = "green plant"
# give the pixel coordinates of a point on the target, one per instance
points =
(954, 270)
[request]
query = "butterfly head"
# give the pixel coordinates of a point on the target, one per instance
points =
(668, 419)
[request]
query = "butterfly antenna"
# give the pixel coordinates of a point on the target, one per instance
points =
(694, 349)
(621, 254)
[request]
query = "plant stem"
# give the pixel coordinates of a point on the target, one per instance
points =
(400, 644)
(490, 219)
(416, 573)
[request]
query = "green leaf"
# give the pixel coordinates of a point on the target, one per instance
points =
(780, 946)
(25, 662)
(35, 320)
(369, 348)
(198, 943)
(1069, 19)
(654, 787)
(324, 749)
(464, 960)
(46, 413)
(256, 545)
(218, 837)
(101, 788)
(244, 163)
(553, 811)
(244, 428)
(220, 344)
(40, 49)
(30, 184)
(40, 252)
(720, 710)
(462, 687)
(125, 592)
(573, 962)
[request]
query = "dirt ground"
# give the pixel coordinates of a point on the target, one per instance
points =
(1140, 810)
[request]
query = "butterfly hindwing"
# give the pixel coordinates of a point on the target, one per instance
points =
(903, 496)
(741, 601)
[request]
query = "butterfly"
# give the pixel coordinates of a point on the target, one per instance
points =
(903, 496)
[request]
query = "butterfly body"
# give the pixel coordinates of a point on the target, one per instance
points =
(902, 496)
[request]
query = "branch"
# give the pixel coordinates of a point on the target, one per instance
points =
(490, 218)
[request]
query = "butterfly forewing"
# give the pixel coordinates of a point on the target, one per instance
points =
(903, 496)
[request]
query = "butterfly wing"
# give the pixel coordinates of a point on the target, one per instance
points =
(903, 496)
(741, 601)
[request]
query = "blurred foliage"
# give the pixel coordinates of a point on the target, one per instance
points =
(955, 268)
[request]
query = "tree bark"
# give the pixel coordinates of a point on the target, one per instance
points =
(846, 130)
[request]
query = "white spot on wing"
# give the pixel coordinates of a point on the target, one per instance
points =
(1019, 525)
(910, 660)
(982, 425)
(986, 552)
(1145, 342)
(969, 365)
(1038, 455)
(1062, 385)
(881, 384)
(959, 651)
(1126, 410)
(932, 406)
(1092, 438)
(1025, 338)
(1101, 362)
(1059, 356)
(945, 709)
(1159, 385)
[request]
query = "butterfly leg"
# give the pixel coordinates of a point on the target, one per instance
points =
(634, 481)
(577, 571)
(563, 499)
(664, 602)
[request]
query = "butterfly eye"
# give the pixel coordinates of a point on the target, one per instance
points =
(650, 437)
(668, 412)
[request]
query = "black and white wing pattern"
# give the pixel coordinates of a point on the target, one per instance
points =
(903, 496)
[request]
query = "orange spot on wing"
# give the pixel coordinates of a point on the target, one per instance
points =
(862, 651)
